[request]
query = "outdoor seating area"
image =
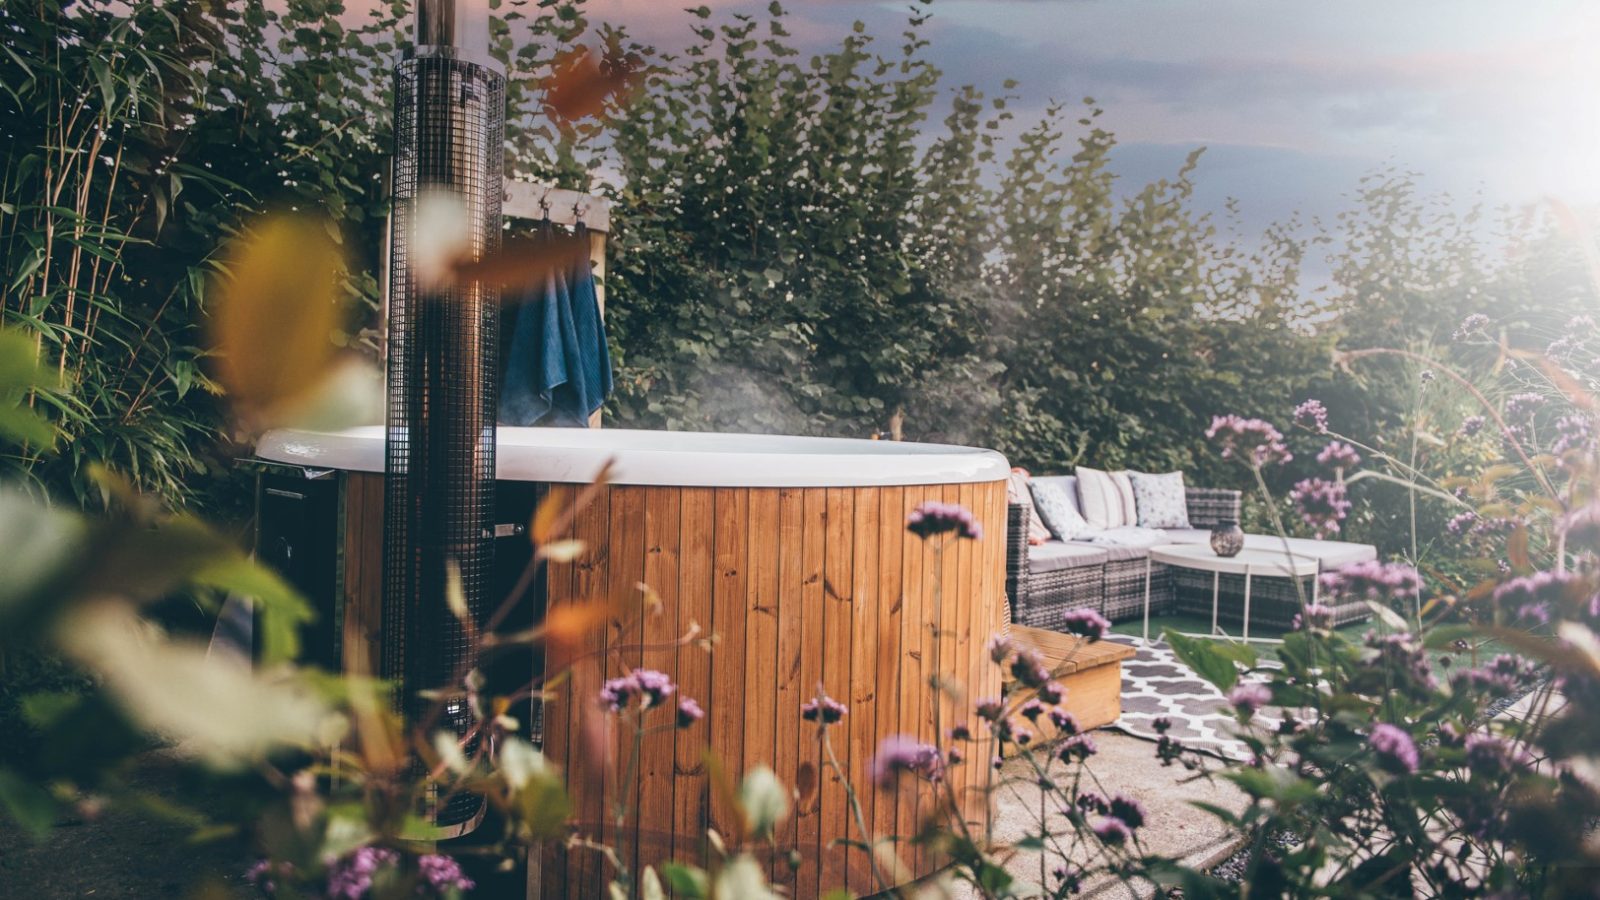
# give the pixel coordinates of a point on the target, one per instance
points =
(1111, 570)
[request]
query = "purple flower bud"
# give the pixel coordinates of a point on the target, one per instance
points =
(1129, 810)
(1471, 425)
(822, 709)
(1394, 748)
(1252, 440)
(1321, 504)
(900, 754)
(1313, 415)
(443, 874)
(1249, 698)
(1031, 710)
(1374, 580)
(932, 517)
(989, 708)
(1339, 455)
(1079, 746)
(689, 712)
(1086, 623)
(1028, 669)
(1490, 756)
(1471, 326)
(1000, 648)
(1113, 831)
(1064, 721)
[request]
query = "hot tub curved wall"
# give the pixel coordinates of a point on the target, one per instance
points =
(803, 584)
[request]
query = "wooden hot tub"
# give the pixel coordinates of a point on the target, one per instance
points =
(794, 553)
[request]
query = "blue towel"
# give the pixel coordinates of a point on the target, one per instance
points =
(557, 367)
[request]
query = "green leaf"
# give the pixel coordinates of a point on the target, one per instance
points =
(1212, 660)
(686, 881)
(27, 804)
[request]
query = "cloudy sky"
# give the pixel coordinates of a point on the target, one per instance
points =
(1294, 101)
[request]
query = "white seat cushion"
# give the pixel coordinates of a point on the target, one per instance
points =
(1329, 554)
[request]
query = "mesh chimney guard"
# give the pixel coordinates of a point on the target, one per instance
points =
(439, 454)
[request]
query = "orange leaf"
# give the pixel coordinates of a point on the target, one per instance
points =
(584, 82)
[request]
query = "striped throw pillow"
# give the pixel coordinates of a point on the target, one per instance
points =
(1100, 499)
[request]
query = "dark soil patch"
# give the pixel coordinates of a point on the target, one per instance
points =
(124, 853)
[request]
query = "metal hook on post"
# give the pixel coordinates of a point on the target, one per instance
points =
(544, 204)
(579, 210)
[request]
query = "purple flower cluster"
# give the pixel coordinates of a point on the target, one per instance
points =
(1471, 425)
(1339, 456)
(1079, 746)
(1313, 415)
(443, 874)
(1530, 598)
(900, 754)
(1112, 830)
(1064, 721)
(1028, 669)
(1401, 656)
(933, 517)
(1491, 756)
(1321, 504)
(1374, 580)
(1315, 615)
(1462, 523)
(350, 878)
(1471, 326)
(1086, 623)
(822, 709)
(646, 686)
(1394, 748)
(1574, 433)
(1499, 677)
(1248, 698)
(1521, 407)
(265, 873)
(1000, 648)
(1252, 440)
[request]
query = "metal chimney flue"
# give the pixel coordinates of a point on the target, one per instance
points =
(449, 119)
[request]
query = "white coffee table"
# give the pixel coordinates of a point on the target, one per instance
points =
(1277, 562)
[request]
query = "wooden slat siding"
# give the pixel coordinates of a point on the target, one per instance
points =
(788, 729)
(363, 572)
(695, 567)
(864, 676)
(761, 634)
(863, 718)
(994, 527)
(838, 621)
(726, 709)
(626, 571)
(591, 578)
(913, 674)
(961, 666)
(558, 710)
(891, 605)
(662, 510)
(813, 629)
(933, 661)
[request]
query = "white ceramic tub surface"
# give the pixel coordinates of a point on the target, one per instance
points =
(681, 458)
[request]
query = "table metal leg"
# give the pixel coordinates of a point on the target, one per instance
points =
(1216, 585)
(1247, 603)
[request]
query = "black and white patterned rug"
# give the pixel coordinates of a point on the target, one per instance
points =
(1156, 684)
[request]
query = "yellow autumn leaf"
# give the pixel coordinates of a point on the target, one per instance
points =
(277, 304)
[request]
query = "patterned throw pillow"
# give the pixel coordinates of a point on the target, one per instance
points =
(1017, 494)
(1161, 500)
(1100, 499)
(1059, 515)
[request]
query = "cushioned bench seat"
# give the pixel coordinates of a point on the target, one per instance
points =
(1053, 556)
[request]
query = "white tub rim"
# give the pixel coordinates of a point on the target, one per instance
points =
(668, 458)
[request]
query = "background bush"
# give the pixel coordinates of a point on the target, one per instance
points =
(833, 244)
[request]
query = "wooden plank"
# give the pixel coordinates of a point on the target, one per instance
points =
(624, 653)
(557, 712)
(914, 696)
(727, 662)
(891, 605)
(961, 669)
(662, 530)
(788, 732)
(863, 719)
(761, 632)
(838, 620)
(587, 741)
(808, 813)
(696, 565)
(362, 630)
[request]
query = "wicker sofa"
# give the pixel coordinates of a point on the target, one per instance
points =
(1044, 581)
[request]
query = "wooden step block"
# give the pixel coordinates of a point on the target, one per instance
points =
(1091, 673)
